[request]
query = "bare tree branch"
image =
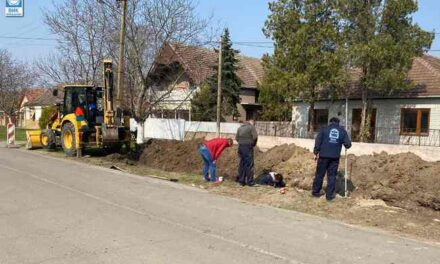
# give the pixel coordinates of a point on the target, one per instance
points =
(88, 32)
(15, 78)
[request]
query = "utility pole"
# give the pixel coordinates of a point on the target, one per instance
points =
(120, 81)
(346, 154)
(219, 85)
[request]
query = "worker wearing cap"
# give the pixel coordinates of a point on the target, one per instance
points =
(210, 152)
(328, 146)
(247, 139)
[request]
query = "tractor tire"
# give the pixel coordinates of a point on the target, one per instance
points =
(68, 141)
(47, 139)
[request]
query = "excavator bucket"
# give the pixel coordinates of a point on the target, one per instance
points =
(33, 139)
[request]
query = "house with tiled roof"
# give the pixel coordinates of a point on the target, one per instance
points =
(32, 105)
(28, 96)
(183, 69)
(409, 117)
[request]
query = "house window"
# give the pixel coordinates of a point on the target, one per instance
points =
(321, 118)
(414, 121)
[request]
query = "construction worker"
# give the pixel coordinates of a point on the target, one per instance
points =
(247, 139)
(271, 178)
(210, 151)
(79, 113)
(92, 108)
(328, 145)
(79, 109)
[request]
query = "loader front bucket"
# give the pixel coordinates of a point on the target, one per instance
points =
(33, 139)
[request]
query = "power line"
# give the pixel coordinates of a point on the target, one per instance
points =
(253, 42)
(27, 38)
(252, 45)
(256, 44)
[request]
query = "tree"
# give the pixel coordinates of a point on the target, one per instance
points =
(381, 41)
(306, 58)
(83, 29)
(88, 32)
(203, 104)
(274, 93)
(150, 24)
(46, 116)
(15, 78)
(230, 84)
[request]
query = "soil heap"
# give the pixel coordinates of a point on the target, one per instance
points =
(403, 180)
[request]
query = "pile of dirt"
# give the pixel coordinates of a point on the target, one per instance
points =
(183, 156)
(228, 162)
(403, 180)
(171, 155)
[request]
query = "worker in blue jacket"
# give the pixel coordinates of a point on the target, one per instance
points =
(328, 145)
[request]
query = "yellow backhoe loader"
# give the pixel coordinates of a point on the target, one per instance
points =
(86, 118)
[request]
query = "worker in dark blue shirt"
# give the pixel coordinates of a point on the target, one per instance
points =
(328, 145)
(271, 178)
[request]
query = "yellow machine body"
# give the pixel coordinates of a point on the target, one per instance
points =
(33, 139)
(85, 119)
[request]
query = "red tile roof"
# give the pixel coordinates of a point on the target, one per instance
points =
(424, 73)
(199, 64)
(46, 99)
(32, 94)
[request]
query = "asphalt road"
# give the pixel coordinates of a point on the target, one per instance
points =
(59, 211)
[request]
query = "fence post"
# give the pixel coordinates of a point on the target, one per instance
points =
(292, 133)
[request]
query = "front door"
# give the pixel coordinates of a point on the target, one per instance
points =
(356, 125)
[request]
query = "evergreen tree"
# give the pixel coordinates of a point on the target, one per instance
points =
(203, 104)
(205, 101)
(306, 58)
(382, 42)
(274, 93)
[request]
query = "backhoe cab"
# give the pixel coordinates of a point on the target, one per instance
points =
(85, 119)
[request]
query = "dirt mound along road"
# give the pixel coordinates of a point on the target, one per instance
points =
(171, 155)
(183, 156)
(403, 180)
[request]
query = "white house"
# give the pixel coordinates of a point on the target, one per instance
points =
(412, 117)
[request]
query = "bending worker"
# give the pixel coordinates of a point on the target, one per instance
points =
(247, 139)
(210, 152)
(328, 145)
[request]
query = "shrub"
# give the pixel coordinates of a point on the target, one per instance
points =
(46, 115)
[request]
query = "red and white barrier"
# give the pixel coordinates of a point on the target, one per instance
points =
(10, 140)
